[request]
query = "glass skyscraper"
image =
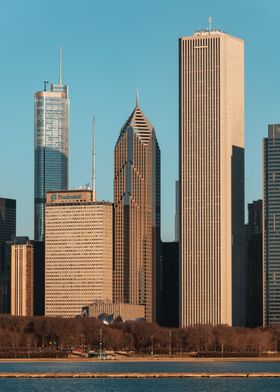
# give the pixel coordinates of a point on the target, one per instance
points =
(271, 224)
(51, 148)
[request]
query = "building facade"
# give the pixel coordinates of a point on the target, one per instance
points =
(211, 156)
(22, 271)
(168, 304)
(7, 232)
(79, 252)
(51, 126)
(137, 214)
(112, 311)
(271, 224)
(254, 266)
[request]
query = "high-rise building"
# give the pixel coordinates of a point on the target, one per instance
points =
(137, 214)
(168, 312)
(79, 252)
(7, 232)
(254, 266)
(7, 219)
(51, 127)
(271, 225)
(22, 273)
(177, 211)
(211, 86)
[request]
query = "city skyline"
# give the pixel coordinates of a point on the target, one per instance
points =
(97, 87)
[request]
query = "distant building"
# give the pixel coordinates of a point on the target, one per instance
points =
(168, 313)
(51, 126)
(137, 214)
(22, 273)
(109, 311)
(254, 266)
(79, 252)
(271, 226)
(7, 232)
(26, 259)
(177, 211)
(7, 219)
(211, 165)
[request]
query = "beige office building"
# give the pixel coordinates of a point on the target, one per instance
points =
(211, 179)
(78, 252)
(22, 267)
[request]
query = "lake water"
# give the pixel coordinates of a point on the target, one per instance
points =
(140, 385)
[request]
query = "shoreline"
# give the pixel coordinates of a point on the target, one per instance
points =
(140, 375)
(141, 359)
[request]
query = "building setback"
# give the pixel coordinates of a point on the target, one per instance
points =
(51, 126)
(211, 166)
(78, 252)
(271, 225)
(254, 267)
(137, 214)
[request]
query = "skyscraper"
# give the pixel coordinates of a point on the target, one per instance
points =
(7, 219)
(211, 66)
(271, 224)
(51, 147)
(7, 231)
(22, 277)
(137, 214)
(79, 252)
(254, 265)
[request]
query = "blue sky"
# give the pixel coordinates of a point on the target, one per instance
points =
(110, 49)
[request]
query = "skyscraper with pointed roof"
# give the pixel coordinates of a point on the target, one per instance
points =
(137, 214)
(51, 126)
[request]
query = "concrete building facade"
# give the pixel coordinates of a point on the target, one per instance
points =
(211, 156)
(79, 252)
(137, 214)
(22, 272)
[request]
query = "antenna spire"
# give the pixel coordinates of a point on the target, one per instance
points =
(209, 23)
(93, 160)
(137, 98)
(60, 66)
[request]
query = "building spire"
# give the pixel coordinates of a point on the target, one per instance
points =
(93, 160)
(209, 23)
(60, 66)
(137, 98)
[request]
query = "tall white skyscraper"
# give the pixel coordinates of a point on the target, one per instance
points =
(211, 179)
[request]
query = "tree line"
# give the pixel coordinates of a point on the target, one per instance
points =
(53, 336)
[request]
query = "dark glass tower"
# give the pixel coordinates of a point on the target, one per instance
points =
(254, 267)
(137, 214)
(271, 226)
(51, 148)
(7, 231)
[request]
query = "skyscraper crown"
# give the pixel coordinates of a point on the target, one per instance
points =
(140, 124)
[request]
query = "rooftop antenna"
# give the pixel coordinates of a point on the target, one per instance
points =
(137, 98)
(209, 23)
(60, 66)
(93, 160)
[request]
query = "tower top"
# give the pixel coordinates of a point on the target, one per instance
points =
(137, 98)
(209, 23)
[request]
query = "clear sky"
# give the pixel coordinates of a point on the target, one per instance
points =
(110, 49)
